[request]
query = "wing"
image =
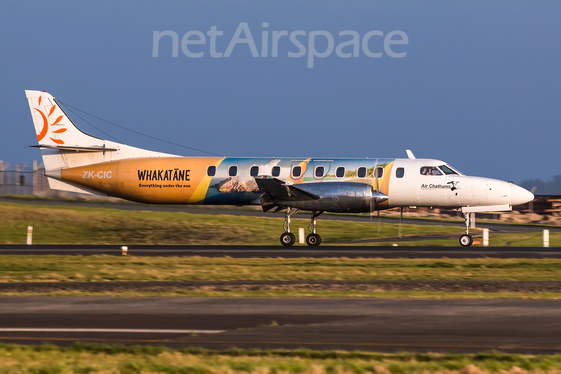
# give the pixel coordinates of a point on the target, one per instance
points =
(276, 190)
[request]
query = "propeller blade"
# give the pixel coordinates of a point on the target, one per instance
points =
(400, 231)
(379, 223)
(376, 175)
(371, 206)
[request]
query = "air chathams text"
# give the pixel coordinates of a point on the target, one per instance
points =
(296, 44)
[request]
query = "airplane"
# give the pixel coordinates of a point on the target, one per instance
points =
(77, 162)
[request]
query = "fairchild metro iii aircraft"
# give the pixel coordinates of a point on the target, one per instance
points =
(77, 162)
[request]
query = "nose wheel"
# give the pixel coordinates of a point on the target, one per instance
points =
(466, 240)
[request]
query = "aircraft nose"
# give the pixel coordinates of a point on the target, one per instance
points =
(519, 195)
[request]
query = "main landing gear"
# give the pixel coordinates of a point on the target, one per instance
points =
(313, 239)
(288, 239)
(466, 240)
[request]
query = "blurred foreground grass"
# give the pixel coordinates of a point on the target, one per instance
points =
(96, 358)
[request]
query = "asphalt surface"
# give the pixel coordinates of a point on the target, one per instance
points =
(284, 252)
(526, 326)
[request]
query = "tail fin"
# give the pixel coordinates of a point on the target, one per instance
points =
(63, 145)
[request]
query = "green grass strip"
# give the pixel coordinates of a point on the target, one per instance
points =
(55, 224)
(101, 358)
(53, 268)
(86, 225)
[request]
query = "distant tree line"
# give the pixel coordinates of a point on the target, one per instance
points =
(551, 187)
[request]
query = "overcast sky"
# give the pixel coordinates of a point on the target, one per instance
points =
(474, 83)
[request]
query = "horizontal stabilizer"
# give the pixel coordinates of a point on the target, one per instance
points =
(275, 189)
(93, 148)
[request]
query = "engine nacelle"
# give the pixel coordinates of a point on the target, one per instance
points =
(338, 197)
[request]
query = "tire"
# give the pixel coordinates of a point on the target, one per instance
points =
(313, 240)
(287, 239)
(466, 240)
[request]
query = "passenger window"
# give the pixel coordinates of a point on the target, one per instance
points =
(233, 171)
(297, 171)
(399, 172)
(319, 171)
(361, 172)
(340, 172)
(276, 171)
(379, 172)
(211, 171)
(254, 171)
(430, 170)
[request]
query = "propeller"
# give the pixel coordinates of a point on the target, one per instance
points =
(374, 201)
(377, 190)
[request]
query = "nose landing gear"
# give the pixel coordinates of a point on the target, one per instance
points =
(466, 240)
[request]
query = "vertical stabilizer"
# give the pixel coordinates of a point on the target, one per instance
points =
(63, 145)
(52, 125)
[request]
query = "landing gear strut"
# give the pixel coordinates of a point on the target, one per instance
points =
(466, 240)
(313, 239)
(287, 238)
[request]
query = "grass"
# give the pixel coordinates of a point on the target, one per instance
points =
(97, 358)
(52, 268)
(103, 268)
(87, 225)
(73, 225)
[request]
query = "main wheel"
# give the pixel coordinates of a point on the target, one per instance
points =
(287, 239)
(466, 240)
(313, 240)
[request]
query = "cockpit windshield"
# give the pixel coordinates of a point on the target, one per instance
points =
(440, 170)
(448, 170)
(430, 170)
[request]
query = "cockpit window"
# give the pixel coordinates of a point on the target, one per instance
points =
(447, 170)
(430, 170)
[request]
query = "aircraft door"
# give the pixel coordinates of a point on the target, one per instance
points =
(403, 187)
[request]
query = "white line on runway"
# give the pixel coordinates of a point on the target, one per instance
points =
(155, 331)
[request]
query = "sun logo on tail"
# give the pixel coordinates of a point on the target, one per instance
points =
(45, 128)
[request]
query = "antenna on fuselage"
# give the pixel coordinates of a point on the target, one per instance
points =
(410, 154)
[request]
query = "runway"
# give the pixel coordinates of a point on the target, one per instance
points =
(526, 326)
(284, 252)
